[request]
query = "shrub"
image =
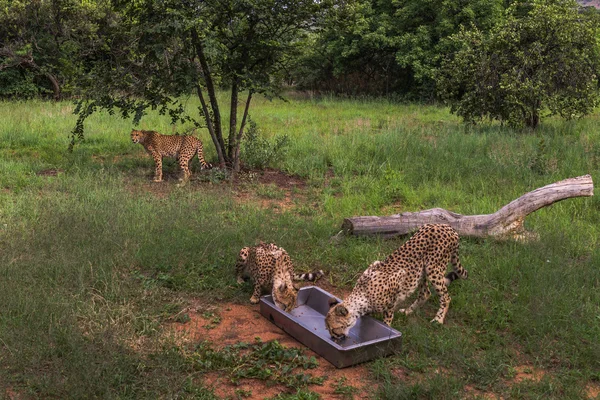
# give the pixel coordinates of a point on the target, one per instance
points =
(542, 56)
(259, 152)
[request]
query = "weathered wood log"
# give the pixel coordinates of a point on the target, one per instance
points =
(506, 222)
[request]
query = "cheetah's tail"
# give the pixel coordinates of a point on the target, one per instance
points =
(459, 272)
(200, 152)
(310, 276)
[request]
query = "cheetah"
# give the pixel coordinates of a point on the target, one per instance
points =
(271, 268)
(181, 146)
(385, 284)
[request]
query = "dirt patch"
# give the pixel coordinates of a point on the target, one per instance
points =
(12, 395)
(527, 373)
(286, 188)
(243, 323)
(592, 390)
(50, 172)
(277, 205)
(278, 190)
(473, 392)
(279, 178)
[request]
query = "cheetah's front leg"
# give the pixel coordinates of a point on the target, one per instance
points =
(256, 294)
(388, 317)
(158, 167)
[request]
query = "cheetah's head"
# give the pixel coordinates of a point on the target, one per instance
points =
(137, 136)
(338, 320)
(285, 296)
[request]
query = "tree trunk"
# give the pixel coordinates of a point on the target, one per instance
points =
(210, 88)
(233, 121)
(55, 85)
(210, 127)
(506, 222)
(236, 158)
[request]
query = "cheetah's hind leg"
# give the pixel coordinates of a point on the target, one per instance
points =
(424, 294)
(185, 169)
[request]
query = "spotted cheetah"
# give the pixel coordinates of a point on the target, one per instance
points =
(181, 146)
(385, 284)
(271, 268)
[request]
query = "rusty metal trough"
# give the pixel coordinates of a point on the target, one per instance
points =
(368, 339)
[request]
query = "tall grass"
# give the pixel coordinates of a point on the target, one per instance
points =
(94, 260)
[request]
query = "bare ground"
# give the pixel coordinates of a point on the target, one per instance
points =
(244, 323)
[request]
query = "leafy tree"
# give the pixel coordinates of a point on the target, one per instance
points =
(387, 46)
(161, 50)
(542, 56)
(424, 28)
(44, 39)
(352, 51)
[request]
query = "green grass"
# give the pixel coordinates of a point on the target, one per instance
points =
(95, 260)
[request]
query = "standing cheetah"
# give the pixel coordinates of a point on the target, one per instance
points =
(181, 146)
(385, 284)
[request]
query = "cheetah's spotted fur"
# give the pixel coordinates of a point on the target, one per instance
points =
(181, 146)
(385, 284)
(271, 268)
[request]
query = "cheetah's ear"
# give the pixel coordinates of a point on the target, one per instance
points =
(282, 288)
(333, 301)
(341, 310)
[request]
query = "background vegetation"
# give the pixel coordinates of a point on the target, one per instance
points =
(511, 60)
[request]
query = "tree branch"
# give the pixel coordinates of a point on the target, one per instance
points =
(210, 126)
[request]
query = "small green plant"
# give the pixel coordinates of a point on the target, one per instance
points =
(215, 175)
(344, 389)
(268, 361)
(394, 187)
(259, 152)
(213, 319)
(270, 191)
(299, 395)
(243, 394)
(182, 318)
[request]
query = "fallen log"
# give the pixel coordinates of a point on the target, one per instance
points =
(506, 222)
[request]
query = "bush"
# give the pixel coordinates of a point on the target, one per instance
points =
(259, 152)
(542, 56)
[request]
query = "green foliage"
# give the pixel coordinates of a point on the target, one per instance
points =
(387, 47)
(301, 394)
(45, 45)
(343, 389)
(19, 84)
(259, 152)
(542, 56)
(424, 28)
(215, 175)
(268, 361)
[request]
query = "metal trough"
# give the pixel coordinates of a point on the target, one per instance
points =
(368, 339)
